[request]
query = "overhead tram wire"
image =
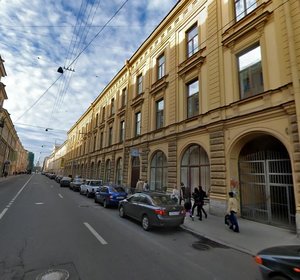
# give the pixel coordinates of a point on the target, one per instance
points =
(27, 110)
(98, 33)
(76, 46)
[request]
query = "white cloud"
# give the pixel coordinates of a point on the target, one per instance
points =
(35, 41)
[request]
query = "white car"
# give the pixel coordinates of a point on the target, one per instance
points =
(90, 187)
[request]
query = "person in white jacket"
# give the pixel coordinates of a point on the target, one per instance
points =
(232, 211)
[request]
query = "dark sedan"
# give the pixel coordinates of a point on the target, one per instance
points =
(110, 195)
(152, 210)
(280, 262)
(65, 181)
(76, 183)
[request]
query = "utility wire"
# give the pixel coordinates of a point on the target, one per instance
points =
(98, 33)
(27, 110)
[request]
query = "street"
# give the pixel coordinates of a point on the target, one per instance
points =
(44, 226)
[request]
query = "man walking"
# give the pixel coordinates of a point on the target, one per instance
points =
(232, 211)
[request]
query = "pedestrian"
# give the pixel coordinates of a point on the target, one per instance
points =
(232, 211)
(196, 197)
(139, 185)
(175, 194)
(202, 195)
(182, 192)
(188, 202)
(146, 187)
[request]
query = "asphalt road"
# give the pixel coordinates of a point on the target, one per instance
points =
(44, 227)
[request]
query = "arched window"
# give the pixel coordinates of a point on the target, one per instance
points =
(195, 168)
(92, 170)
(119, 167)
(158, 172)
(107, 171)
(99, 169)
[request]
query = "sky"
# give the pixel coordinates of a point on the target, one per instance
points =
(89, 39)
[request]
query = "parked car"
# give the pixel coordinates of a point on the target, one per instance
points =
(58, 178)
(110, 195)
(280, 262)
(65, 181)
(76, 183)
(90, 187)
(152, 209)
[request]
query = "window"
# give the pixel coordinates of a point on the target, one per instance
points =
(101, 140)
(95, 141)
(192, 40)
(96, 121)
(195, 168)
(159, 113)
(103, 114)
(107, 171)
(119, 177)
(193, 99)
(138, 124)
(123, 98)
(244, 7)
(139, 82)
(112, 107)
(158, 172)
(250, 72)
(110, 135)
(161, 66)
(122, 131)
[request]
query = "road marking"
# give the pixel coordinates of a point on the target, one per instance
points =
(13, 200)
(3, 213)
(39, 203)
(60, 195)
(96, 234)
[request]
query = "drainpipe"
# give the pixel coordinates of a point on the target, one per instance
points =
(296, 87)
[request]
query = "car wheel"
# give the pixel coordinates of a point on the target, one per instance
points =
(122, 212)
(145, 223)
(105, 204)
(279, 277)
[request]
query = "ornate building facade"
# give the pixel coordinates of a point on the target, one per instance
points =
(211, 98)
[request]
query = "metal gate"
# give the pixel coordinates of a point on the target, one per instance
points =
(266, 187)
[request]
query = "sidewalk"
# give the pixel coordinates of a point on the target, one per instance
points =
(252, 238)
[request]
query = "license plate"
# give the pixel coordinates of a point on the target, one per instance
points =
(175, 213)
(120, 197)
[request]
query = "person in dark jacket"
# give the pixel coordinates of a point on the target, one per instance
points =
(188, 202)
(196, 197)
(202, 195)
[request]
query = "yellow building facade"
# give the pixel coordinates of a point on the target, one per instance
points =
(211, 98)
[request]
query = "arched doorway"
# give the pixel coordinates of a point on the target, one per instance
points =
(195, 168)
(266, 182)
(135, 171)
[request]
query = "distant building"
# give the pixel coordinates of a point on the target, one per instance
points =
(30, 161)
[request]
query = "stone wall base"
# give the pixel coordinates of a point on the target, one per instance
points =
(217, 207)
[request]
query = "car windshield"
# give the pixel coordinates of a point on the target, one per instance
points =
(117, 189)
(95, 183)
(162, 200)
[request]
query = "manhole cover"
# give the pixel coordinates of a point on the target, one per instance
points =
(57, 274)
(201, 246)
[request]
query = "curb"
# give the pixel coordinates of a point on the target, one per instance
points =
(225, 243)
